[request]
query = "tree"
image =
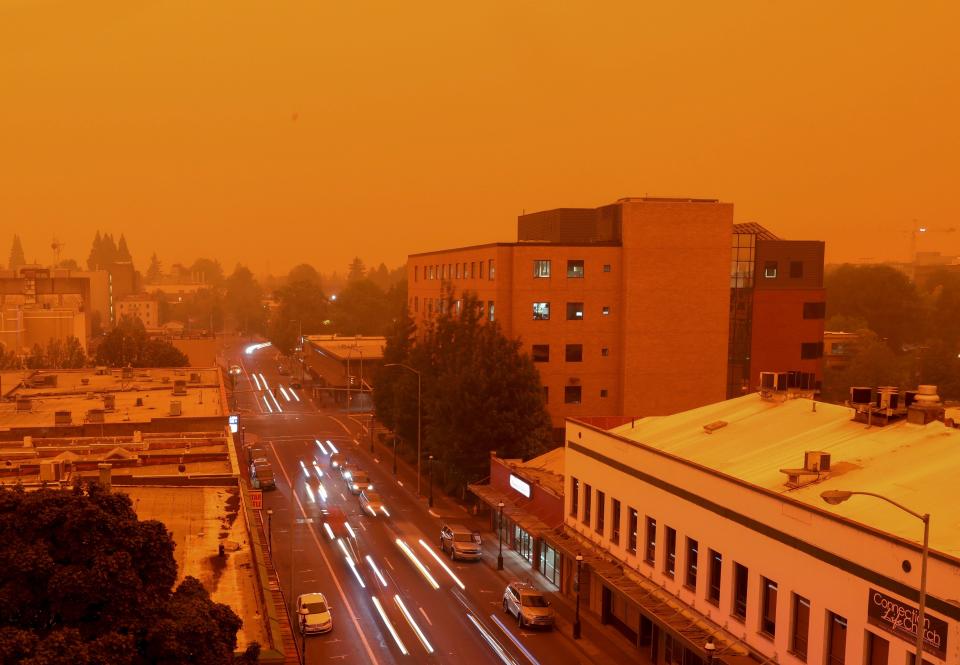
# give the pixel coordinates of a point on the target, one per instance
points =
(58, 354)
(873, 363)
(81, 575)
(123, 253)
(356, 270)
(17, 259)
(944, 295)
(243, 301)
(303, 307)
(94, 258)
(361, 309)
(395, 388)
(155, 270)
(127, 345)
(380, 277)
(69, 264)
(305, 272)
(9, 360)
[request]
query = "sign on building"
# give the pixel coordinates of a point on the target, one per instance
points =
(900, 619)
(256, 499)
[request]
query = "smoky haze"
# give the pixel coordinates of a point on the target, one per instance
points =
(287, 132)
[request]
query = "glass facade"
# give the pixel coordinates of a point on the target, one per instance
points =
(550, 564)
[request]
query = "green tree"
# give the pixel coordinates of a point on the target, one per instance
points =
(9, 360)
(361, 308)
(94, 258)
(356, 270)
(123, 252)
(303, 307)
(17, 259)
(380, 277)
(83, 576)
(62, 354)
(127, 345)
(243, 301)
(873, 363)
(155, 269)
(395, 388)
(943, 288)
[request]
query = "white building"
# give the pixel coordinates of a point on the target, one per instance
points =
(710, 523)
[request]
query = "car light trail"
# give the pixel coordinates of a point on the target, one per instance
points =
(326, 527)
(353, 533)
(492, 641)
(304, 467)
(323, 492)
(515, 641)
(267, 403)
(317, 470)
(266, 386)
(413, 624)
(256, 347)
(313, 499)
(376, 570)
(292, 392)
(256, 381)
(416, 562)
(356, 573)
(332, 447)
(385, 511)
(279, 408)
(370, 510)
(442, 564)
(320, 445)
(393, 631)
(344, 548)
(286, 395)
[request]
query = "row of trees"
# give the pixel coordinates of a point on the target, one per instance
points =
(479, 393)
(909, 333)
(104, 251)
(57, 354)
(84, 581)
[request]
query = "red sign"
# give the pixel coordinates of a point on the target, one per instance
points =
(256, 499)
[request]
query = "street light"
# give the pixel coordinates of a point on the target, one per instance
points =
(304, 613)
(419, 409)
(711, 649)
(500, 536)
(834, 497)
(270, 530)
(576, 621)
(430, 499)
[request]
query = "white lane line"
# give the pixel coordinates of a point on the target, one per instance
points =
(426, 618)
(256, 401)
(257, 381)
(388, 563)
(333, 575)
(433, 513)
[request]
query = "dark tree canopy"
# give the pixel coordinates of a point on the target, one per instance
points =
(81, 575)
(243, 301)
(128, 345)
(17, 259)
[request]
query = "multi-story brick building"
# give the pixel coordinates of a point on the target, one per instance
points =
(625, 308)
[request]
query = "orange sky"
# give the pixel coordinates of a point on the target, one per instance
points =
(278, 132)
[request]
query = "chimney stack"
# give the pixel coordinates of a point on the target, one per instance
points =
(105, 482)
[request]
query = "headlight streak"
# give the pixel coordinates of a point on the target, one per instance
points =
(416, 562)
(313, 499)
(326, 527)
(370, 510)
(304, 467)
(353, 534)
(279, 408)
(385, 511)
(492, 641)
(323, 492)
(266, 386)
(318, 471)
(376, 570)
(442, 564)
(413, 624)
(256, 381)
(344, 548)
(320, 445)
(515, 641)
(393, 631)
(295, 396)
(286, 395)
(332, 447)
(256, 347)
(265, 401)
(356, 573)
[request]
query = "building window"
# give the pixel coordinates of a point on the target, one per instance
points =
(650, 550)
(768, 607)
(541, 311)
(615, 521)
(814, 310)
(603, 392)
(800, 632)
(416, 303)
(490, 313)
(587, 502)
(606, 310)
(491, 269)
(691, 563)
(459, 273)
(574, 353)
(540, 353)
(836, 639)
(443, 271)
(878, 650)
(541, 268)
(796, 269)
(740, 578)
(574, 311)
(670, 560)
(604, 351)
(601, 511)
(550, 564)
(574, 497)
(479, 269)
(473, 270)
(770, 269)
(416, 273)
(606, 267)
(575, 269)
(571, 395)
(811, 350)
(546, 394)
(713, 582)
(632, 526)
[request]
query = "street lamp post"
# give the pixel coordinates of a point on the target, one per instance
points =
(576, 621)
(833, 497)
(304, 613)
(419, 411)
(270, 530)
(430, 499)
(500, 535)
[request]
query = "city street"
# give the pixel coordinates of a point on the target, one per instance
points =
(392, 594)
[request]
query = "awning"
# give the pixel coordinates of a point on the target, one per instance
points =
(519, 510)
(672, 613)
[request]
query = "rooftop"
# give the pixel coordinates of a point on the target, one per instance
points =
(546, 470)
(915, 465)
(371, 348)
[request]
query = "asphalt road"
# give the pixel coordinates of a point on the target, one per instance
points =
(394, 596)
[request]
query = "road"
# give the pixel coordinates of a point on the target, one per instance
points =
(393, 595)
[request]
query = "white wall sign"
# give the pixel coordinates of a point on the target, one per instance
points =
(520, 485)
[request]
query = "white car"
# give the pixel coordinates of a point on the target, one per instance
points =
(371, 502)
(528, 604)
(317, 618)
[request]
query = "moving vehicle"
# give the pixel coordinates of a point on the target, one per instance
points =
(528, 604)
(317, 618)
(458, 541)
(371, 502)
(359, 481)
(347, 469)
(261, 477)
(337, 460)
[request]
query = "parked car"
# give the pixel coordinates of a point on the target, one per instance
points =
(317, 618)
(261, 477)
(371, 502)
(254, 452)
(359, 481)
(528, 605)
(458, 541)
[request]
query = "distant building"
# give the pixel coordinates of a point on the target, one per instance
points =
(140, 306)
(38, 304)
(340, 368)
(839, 348)
(626, 308)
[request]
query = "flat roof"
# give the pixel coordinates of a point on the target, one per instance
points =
(338, 347)
(79, 391)
(546, 469)
(915, 465)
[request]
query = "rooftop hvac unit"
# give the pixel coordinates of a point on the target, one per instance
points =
(85, 381)
(194, 377)
(51, 471)
(101, 371)
(888, 397)
(126, 373)
(909, 396)
(175, 408)
(179, 387)
(24, 404)
(816, 460)
(95, 416)
(62, 418)
(861, 395)
(109, 401)
(776, 381)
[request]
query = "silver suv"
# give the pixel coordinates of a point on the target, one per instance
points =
(528, 604)
(459, 543)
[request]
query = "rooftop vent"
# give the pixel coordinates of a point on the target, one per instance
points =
(194, 377)
(109, 401)
(95, 416)
(710, 428)
(62, 418)
(24, 404)
(925, 407)
(179, 387)
(816, 466)
(175, 408)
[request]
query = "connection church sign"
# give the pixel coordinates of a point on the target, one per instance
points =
(898, 618)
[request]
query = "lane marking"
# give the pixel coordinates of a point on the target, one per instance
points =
(514, 639)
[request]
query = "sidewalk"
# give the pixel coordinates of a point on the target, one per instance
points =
(598, 642)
